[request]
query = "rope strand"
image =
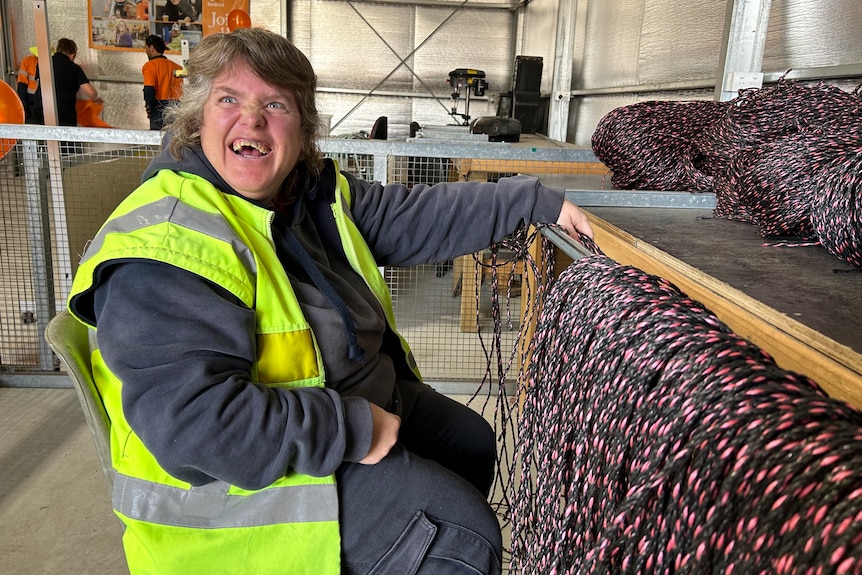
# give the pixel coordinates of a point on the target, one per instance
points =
(651, 438)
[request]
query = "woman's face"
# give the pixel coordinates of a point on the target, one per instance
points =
(251, 132)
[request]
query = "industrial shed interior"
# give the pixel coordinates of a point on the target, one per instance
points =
(661, 119)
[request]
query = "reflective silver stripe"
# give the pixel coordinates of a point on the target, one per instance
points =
(173, 210)
(211, 507)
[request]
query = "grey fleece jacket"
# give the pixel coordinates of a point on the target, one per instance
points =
(183, 347)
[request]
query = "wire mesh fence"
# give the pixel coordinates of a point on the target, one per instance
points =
(59, 187)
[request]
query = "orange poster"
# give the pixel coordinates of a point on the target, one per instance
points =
(218, 14)
(123, 25)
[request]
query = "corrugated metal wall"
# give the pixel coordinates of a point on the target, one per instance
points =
(364, 51)
(621, 44)
(393, 50)
(356, 47)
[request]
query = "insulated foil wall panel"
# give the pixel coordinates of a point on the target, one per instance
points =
(348, 50)
(479, 39)
(611, 45)
(393, 60)
(630, 43)
(352, 113)
(806, 34)
(540, 32)
(680, 41)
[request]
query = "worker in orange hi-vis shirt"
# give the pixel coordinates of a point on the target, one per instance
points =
(162, 88)
(28, 88)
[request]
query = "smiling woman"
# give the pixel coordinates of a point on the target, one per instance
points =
(229, 93)
(264, 406)
(251, 135)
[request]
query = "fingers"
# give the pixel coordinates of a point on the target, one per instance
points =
(384, 434)
(574, 220)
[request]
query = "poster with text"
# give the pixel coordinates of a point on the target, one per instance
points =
(123, 25)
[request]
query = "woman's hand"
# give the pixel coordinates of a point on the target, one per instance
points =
(574, 220)
(384, 435)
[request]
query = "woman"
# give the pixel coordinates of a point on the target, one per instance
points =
(124, 36)
(264, 410)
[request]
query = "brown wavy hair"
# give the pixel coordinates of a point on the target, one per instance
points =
(269, 56)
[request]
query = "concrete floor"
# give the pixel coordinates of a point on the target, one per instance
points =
(55, 510)
(55, 506)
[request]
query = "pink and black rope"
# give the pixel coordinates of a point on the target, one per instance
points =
(785, 157)
(652, 439)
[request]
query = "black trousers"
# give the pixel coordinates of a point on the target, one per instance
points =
(424, 508)
(157, 116)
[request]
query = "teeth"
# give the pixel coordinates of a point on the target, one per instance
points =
(259, 146)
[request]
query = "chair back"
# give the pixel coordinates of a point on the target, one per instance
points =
(69, 339)
(380, 129)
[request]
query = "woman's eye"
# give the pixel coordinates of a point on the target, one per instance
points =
(276, 106)
(228, 99)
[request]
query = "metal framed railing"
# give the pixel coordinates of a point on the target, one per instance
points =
(57, 185)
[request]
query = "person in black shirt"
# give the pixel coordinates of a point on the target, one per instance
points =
(179, 11)
(69, 78)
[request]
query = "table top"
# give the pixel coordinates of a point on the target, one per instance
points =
(802, 304)
(807, 284)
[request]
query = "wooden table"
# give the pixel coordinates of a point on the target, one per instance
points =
(802, 305)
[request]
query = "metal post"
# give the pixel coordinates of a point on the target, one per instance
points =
(41, 226)
(380, 168)
(46, 66)
(39, 234)
(561, 92)
(55, 171)
(742, 48)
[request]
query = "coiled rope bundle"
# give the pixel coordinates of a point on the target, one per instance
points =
(836, 212)
(807, 185)
(651, 145)
(654, 440)
(772, 157)
(772, 187)
(759, 116)
(774, 151)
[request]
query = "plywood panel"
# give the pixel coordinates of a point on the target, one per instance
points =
(795, 346)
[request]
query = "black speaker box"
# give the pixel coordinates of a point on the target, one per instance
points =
(526, 90)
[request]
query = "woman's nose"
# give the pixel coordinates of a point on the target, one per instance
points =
(252, 115)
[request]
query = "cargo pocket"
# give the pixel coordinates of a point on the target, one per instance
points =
(405, 556)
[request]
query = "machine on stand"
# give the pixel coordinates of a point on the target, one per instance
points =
(497, 129)
(485, 128)
(472, 82)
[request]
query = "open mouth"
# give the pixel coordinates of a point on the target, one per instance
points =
(250, 148)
